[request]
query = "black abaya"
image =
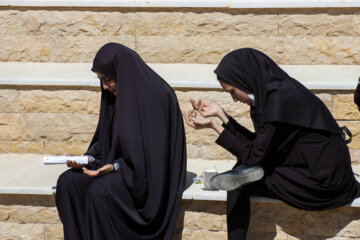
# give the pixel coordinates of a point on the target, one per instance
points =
(142, 128)
(296, 140)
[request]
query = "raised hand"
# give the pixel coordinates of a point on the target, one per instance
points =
(196, 123)
(210, 109)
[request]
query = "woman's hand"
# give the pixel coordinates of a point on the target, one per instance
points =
(99, 172)
(213, 109)
(196, 105)
(209, 109)
(74, 164)
(192, 121)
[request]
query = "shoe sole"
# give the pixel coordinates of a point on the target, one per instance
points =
(229, 181)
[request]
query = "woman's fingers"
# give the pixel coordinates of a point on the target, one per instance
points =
(188, 118)
(203, 110)
(91, 173)
(195, 104)
(192, 114)
(99, 172)
(202, 123)
(68, 163)
(73, 164)
(199, 121)
(209, 109)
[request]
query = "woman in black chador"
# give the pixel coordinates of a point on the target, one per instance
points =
(297, 153)
(133, 188)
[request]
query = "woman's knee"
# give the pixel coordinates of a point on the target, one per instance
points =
(70, 180)
(96, 193)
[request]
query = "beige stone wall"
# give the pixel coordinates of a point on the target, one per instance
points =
(47, 121)
(56, 122)
(191, 35)
(63, 121)
(202, 220)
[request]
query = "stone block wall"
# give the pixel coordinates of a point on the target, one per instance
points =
(63, 120)
(202, 220)
(59, 120)
(181, 35)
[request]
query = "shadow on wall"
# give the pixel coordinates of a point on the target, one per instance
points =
(197, 214)
(279, 221)
(269, 221)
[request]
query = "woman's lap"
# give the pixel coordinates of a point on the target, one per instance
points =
(74, 182)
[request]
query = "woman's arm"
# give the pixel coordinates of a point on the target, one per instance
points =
(212, 109)
(247, 151)
(235, 128)
(267, 142)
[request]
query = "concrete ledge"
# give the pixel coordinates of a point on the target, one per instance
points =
(185, 3)
(25, 174)
(315, 77)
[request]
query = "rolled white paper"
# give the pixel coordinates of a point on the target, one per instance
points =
(63, 159)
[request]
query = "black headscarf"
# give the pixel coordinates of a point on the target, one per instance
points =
(142, 127)
(278, 97)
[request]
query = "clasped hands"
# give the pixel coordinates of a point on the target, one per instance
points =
(206, 110)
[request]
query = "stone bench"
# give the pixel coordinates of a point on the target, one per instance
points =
(25, 174)
(27, 207)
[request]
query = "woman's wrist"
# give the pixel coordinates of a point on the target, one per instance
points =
(222, 115)
(217, 127)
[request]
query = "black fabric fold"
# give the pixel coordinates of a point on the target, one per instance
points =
(239, 130)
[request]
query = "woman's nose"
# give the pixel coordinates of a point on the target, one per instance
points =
(106, 87)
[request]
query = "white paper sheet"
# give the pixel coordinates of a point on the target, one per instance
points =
(63, 159)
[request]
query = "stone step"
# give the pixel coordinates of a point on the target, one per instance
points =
(315, 77)
(185, 3)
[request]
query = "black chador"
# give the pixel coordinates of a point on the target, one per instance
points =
(142, 129)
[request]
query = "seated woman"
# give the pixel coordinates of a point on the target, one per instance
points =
(297, 153)
(133, 188)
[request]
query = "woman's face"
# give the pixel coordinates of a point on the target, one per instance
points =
(108, 84)
(236, 93)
